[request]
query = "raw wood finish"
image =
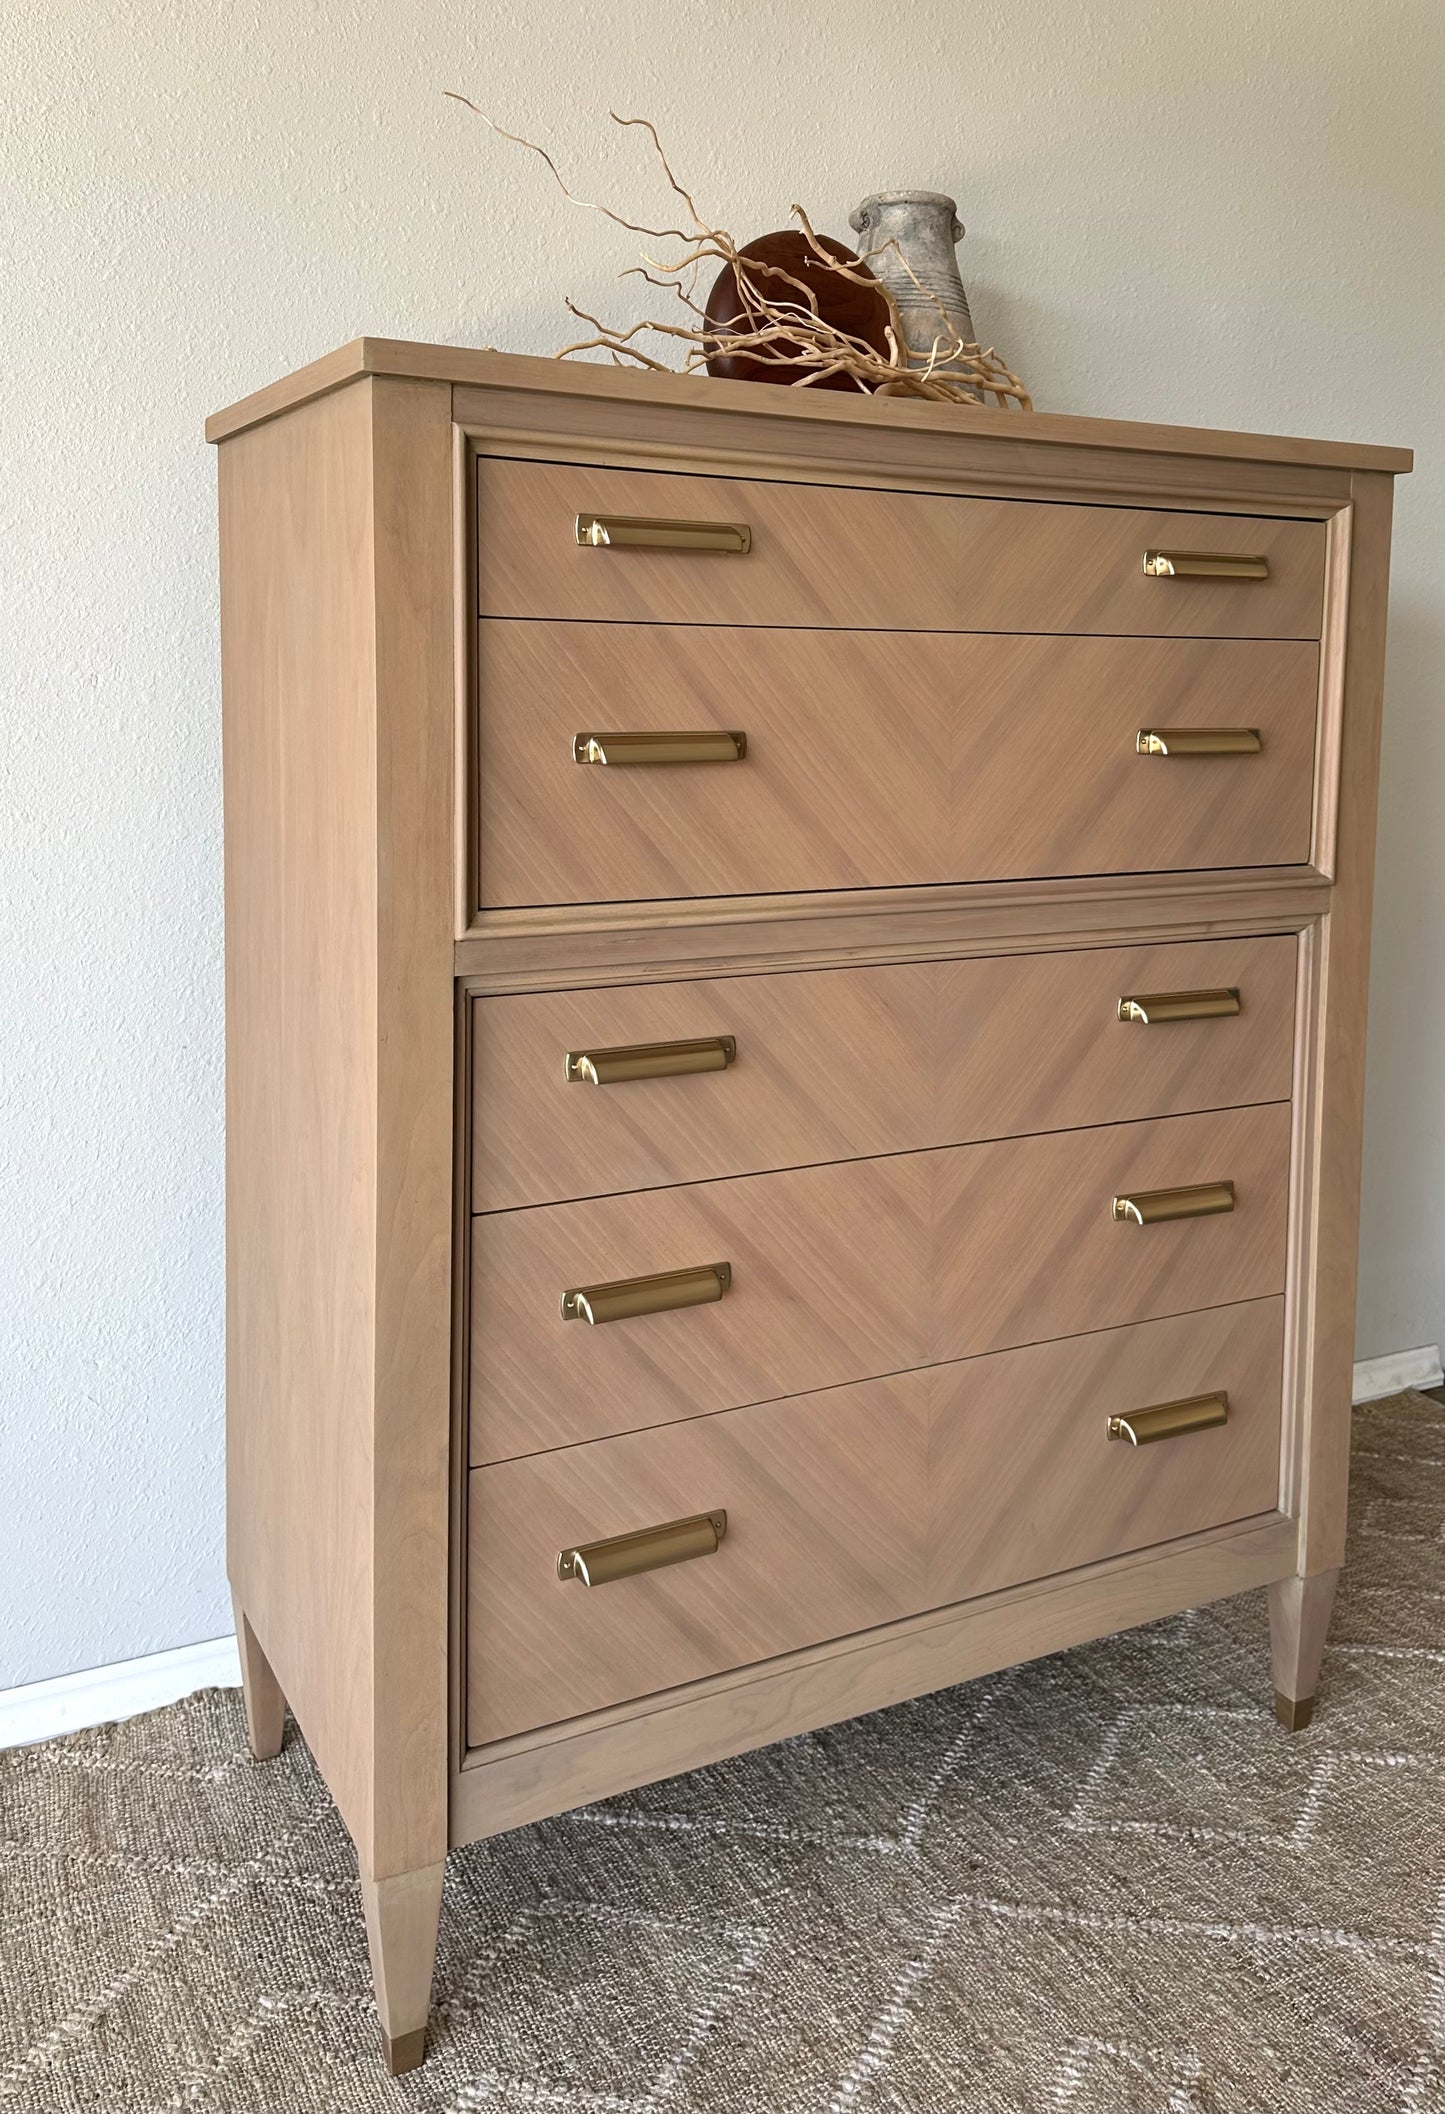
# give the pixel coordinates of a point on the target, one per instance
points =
(511, 1782)
(1299, 1622)
(879, 560)
(1331, 1085)
(588, 946)
(862, 1268)
(554, 384)
(876, 759)
(855, 1507)
(402, 1915)
(336, 667)
(846, 1063)
(265, 1706)
(1023, 1481)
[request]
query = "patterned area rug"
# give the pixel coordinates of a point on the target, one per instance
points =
(1106, 1881)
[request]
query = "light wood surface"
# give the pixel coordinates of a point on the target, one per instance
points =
(1332, 1082)
(587, 945)
(1023, 1481)
(879, 758)
(512, 1782)
(879, 560)
(911, 900)
(845, 1063)
(264, 1704)
(298, 683)
(402, 1914)
(1299, 1622)
(555, 382)
(855, 1507)
(865, 1267)
(337, 738)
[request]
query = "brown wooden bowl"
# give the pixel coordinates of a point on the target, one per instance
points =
(860, 310)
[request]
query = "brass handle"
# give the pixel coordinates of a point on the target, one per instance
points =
(1151, 1207)
(628, 1297)
(1198, 741)
(595, 1563)
(1152, 1008)
(603, 532)
(1203, 565)
(707, 745)
(651, 1060)
(1170, 1420)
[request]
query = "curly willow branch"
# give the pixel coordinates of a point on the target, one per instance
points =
(780, 319)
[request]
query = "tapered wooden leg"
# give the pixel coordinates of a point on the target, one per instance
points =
(402, 1914)
(265, 1704)
(1299, 1618)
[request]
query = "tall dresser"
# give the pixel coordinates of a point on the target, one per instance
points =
(795, 982)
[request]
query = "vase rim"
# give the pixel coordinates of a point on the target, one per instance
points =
(908, 198)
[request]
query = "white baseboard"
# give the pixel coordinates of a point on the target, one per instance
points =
(42, 1709)
(1386, 1376)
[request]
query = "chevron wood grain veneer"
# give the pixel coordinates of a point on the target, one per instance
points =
(795, 993)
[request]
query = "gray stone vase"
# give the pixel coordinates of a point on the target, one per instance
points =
(926, 228)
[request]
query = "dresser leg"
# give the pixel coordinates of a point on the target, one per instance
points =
(1299, 1617)
(260, 1690)
(402, 1914)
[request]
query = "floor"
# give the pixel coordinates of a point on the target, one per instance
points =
(1107, 1881)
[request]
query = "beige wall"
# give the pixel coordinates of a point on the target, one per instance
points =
(1226, 213)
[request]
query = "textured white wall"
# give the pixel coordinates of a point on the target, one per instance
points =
(1224, 214)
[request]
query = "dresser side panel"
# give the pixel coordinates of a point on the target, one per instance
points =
(413, 510)
(298, 673)
(1332, 1088)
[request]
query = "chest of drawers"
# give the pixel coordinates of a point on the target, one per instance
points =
(795, 989)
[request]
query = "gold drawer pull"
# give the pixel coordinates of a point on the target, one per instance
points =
(651, 1060)
(631, 1296)
(1203, 565)
(651, 1548)
(596, 1563)
(1151, 1207)
(1198, 741)
(1170, 1420)
(708, 745)
(605, 532)
(1152, 1008)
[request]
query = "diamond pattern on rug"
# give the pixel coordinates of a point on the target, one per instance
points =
(1104, 1883)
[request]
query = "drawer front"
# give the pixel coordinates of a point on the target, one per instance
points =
(827, 555)
(847, 1271)
(841, 1064)
(856, 1507)
(877, 759)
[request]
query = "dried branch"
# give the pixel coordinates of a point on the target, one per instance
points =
(780, 320)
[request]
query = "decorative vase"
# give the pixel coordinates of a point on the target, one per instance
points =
(925, 228)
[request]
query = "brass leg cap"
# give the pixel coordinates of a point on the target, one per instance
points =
(405, 2052)
(1293, 1715)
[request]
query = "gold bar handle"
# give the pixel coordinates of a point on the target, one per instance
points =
(628, 1297)
(1198, 741)
(706, 745)
(1170, 1420)
(1203, 565)
(608, 532)
(651, 1060)
(1152, 1207)
(595, 1563)
(1153, 1008)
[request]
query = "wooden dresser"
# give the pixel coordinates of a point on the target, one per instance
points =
(795, 983)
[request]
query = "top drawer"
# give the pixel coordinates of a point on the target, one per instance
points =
(822, 555)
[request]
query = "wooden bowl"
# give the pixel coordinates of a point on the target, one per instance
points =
(860, 310)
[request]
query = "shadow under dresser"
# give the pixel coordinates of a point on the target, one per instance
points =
(795, 976)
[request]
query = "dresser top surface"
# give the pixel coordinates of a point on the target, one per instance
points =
(518, 372)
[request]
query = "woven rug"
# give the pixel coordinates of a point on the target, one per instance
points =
(1106, 1881)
